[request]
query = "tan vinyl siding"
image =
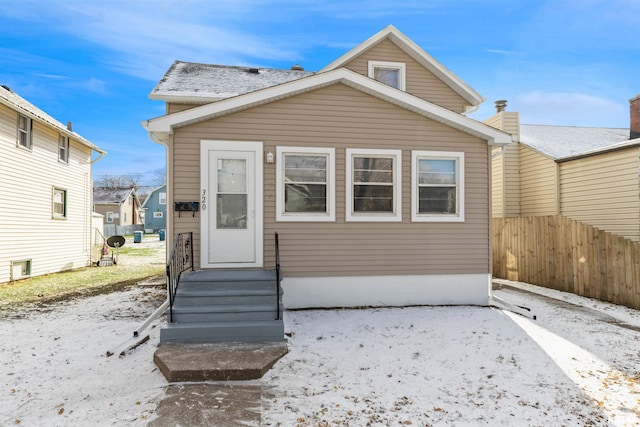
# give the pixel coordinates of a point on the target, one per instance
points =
(341, 117)
(27, 179)
(509, 190)
(588, 194)
(419, 81)
(176, 108)
(497, 184)
(512, 179)
(538, 183)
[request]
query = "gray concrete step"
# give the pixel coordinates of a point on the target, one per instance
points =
(216, 332)
(224, 313)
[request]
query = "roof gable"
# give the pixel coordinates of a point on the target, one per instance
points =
(160, 128)
(153, 194)
(392, 34)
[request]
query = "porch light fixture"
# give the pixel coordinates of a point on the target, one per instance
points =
(269, 158)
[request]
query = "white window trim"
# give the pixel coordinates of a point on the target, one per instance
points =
(402, 71)
(108, 217)
(396, 215)
(65, 207)
(162, 198)
(444, 155)
(64, 143)
(28, 132)
(330, 215)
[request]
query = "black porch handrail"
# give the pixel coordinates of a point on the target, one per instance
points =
(277, 276)
(180, 260)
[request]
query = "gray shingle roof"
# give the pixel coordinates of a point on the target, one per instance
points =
(560, 142)
(209, 81)
(16, 102)
(110, 195)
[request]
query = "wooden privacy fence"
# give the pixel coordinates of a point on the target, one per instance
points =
(560, 253)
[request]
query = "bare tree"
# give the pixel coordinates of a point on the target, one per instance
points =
(118, 181)
(160, 177)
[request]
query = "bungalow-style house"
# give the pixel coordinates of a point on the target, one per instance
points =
(375, 180)
(155, 210)
(120, 207)
(588, 174)
(45, 182)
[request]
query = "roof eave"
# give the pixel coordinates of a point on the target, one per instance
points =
(160, 128)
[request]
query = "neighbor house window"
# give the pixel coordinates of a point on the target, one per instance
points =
(158, 215)
(109, 217)
(59, 203)
(63, 149)
(305, 184)
(389, 73)
(25, 132)
(437, 182)
(162, 198)
(373, 185)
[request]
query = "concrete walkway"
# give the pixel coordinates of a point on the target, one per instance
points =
(212, 384)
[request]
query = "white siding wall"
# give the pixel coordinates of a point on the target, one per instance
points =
(27, 179)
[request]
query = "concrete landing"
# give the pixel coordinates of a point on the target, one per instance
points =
(225, 404)
(217, 362)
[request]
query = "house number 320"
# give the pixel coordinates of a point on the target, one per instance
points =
(203, 200)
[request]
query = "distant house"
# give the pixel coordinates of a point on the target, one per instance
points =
(121, 209)
(155, 207)
(45, 182)
(589, 174)
(369, 170)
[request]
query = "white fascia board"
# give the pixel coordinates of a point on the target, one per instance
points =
(417, 53)
(165, 124)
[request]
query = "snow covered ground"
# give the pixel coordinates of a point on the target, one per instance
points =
(575, 365)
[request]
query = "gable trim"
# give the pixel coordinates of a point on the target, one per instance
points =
(417, 53)
(161, 127)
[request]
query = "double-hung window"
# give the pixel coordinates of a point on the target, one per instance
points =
(373, 185)
(305, 184)
(63, 149)
(162, 198)
(389, 73)
(59, 203)
(437, 185)
(25, 132)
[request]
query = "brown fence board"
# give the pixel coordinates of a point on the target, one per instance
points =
(560, 253)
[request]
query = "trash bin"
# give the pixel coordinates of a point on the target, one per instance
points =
(161, 235)
(137, 236)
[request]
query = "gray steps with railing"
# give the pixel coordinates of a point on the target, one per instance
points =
(225, 306)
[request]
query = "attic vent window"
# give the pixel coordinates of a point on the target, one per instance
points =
(253, 71)
(389, 73)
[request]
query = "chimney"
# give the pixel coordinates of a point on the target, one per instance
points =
(297, 68)
(70, 126)
(634, 117)
(501, 105)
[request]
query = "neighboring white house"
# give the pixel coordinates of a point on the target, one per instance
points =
(46, 187)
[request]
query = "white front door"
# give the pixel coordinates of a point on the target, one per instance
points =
(231, 198)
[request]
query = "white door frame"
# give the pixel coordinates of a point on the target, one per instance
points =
(207, 197)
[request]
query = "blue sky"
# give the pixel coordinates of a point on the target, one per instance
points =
(564, 62)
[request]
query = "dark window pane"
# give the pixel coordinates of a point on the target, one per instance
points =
(389, 76)
(305, 198)
(438, 200)
(373, 198)
(232, 211)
